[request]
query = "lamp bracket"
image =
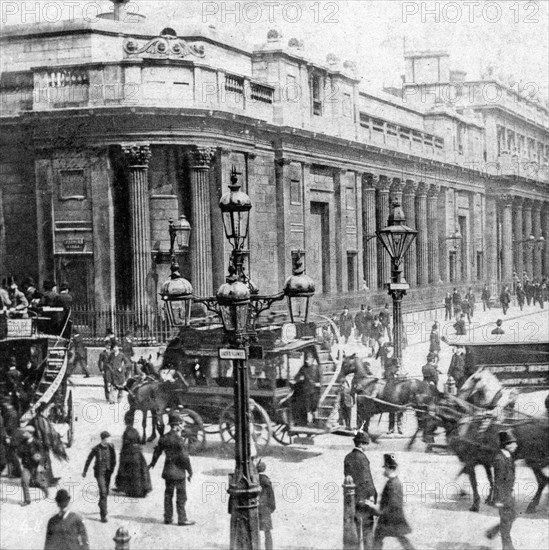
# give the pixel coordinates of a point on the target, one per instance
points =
(210, 303)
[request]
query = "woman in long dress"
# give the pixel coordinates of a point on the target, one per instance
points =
(133, 476)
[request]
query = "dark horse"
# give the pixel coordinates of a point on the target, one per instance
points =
(473, 437)
(377, 396)
(155, 396)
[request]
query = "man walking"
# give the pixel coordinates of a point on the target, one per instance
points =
(430, 371)
(504, 480)
(385, 320)
(105, 462)
(392, 522)
(346, 324)
(120, 369)
(103, 363)
(267, 505)
(177, 468)
(505, 299)
(66, 530)
(448, 307)
(456, 302)
(31, 454)
(520, 296)
(485, 297)
(357, 465)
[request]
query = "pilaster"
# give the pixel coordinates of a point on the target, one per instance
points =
(536, 231)
(422, 237)
(408, 205)
(369, 183)
(382, 216)
(526, 232)
(506, 202)
(518, 248)
(432, 236)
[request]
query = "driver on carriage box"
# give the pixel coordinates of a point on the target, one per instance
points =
(430, 371)
(306, 388)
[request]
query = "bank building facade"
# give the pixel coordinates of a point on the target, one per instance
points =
(109, 129)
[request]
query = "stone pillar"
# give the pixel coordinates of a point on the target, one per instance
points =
(526, 232)
(421, 226)
(506, 202)
(382, 217)
(408, 205)
(137, 157)
(536, 231)
(369, 183)
(201, 249)
(432, 236)
(491, 239)
(545, 232)
(518, 248)
(395, 192)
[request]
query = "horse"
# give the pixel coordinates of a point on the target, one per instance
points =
(376, 396)
(484, 389)
(156, 396)
(473, 437)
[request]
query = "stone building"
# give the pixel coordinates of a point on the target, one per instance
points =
(108, 129)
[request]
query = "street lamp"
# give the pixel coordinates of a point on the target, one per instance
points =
(239, 304)
(397, 238)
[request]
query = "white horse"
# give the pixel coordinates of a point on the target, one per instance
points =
(484, 389)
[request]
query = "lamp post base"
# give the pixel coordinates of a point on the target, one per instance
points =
(243, 506)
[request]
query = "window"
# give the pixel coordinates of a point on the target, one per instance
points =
(405, 133)
(460, 132)
(234, 84)
(392, 129)
(317, 95)
(439, 143)
(417, 136)
(72, 184)
(479, 266)
(295, 184)
(364, 120)
(378, 125)
(428, 140)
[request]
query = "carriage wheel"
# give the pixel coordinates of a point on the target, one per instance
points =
(281, 434)
(194, 434)
(70, 420)
(261, 425)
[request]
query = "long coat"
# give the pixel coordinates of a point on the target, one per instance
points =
(392, 522)
(357, 465)
(346, 324)
(133, 476)
(177, 460)
(68, 533)
(504, 480)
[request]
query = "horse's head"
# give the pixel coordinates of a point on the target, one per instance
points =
(481, 387)
(348, 366)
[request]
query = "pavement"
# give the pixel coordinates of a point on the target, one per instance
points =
(307, 482)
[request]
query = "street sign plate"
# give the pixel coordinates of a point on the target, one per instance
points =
(229, 353)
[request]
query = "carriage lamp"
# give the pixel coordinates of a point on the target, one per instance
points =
(233, 299)
(177, 294)
(180, 231)
(299, 289)
(235, 207)
(397, 238)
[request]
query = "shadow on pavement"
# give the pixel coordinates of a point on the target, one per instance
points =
(138, 519)
(459, 546)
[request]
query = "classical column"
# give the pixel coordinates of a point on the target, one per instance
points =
(526, 232)
(536, 231)
(382, 217)
(421, 226)
(545, 232)
(201, 250)
(137, 157)
(518, 248)
(491, 239)
(506, 202)
(408, 205)
(395, 192)
(432, 236)
(369, 183)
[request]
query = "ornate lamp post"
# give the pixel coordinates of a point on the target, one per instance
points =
(238, 304)
(397, 238)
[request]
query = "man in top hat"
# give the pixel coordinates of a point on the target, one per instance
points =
(267, 504)
(105, 462)
(177, 469)
(430, 370)
(498, 329)
(66, 530)
(357, 465)
(49, 295)
(392, 522)
(505, 299)
(504, 480)
(120, 369)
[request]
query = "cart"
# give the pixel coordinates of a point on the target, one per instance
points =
(272, 364)
(38, 346)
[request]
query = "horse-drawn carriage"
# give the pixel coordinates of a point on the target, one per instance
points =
(272, 365)
(34, 373)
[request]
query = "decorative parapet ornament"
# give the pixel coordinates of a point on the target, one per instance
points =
(165, 46)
